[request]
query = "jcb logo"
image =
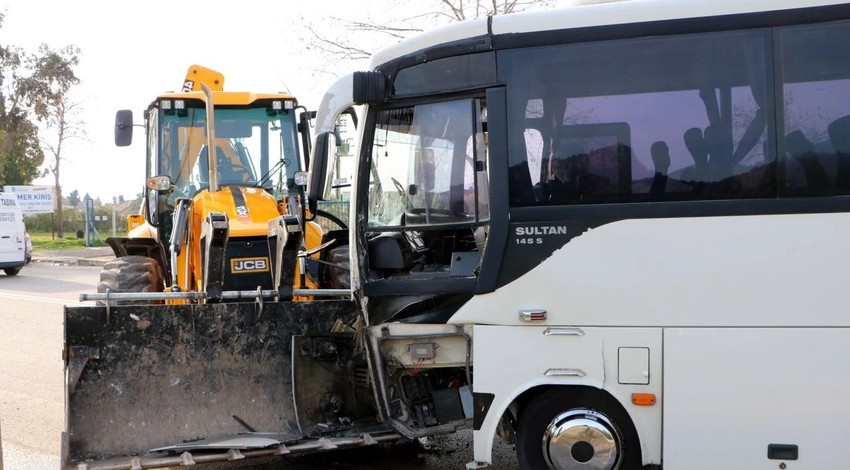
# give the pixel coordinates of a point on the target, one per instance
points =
(249, 265)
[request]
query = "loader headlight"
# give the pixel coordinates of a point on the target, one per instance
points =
(301, 178)
(159, 183)
(278, 105)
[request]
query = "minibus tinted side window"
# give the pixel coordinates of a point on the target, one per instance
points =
(816, 96)
(654, 119)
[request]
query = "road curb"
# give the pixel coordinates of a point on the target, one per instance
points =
(73, 261)
(93, 262)
(89, 256)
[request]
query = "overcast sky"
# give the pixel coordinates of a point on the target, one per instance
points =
(132, 51)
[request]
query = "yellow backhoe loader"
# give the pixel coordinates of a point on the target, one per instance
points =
(188, 356)
(247, 181)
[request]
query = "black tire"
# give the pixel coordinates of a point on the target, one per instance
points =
(131, 274)
(12, 271)
(586, 404)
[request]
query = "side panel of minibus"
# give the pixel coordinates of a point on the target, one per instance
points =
(756, 398)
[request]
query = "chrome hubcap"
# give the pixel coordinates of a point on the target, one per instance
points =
(582, 439)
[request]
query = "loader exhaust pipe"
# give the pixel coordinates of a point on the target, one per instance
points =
(213, 166)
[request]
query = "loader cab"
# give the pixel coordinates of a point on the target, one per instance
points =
(256, 144)
(256, 139)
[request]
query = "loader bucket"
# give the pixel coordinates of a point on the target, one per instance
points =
(143, 377)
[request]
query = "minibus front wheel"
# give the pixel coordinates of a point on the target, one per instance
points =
(576, 428)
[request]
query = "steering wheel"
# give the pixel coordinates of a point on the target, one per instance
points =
(234, 168)
(417, 216)
(332, 218)
(238, 166)
(233, 173)
(423, 211)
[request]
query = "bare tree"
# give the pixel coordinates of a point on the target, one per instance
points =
(459, 10)
(342, 48)
(350, 41)
(344, 41)
(49, 93)
(65, 125)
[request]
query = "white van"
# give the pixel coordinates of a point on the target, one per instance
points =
(13, 235)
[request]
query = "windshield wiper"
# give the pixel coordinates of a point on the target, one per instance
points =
(268, 175)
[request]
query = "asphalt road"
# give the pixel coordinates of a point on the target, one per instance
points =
(32, 390)
(31, 371)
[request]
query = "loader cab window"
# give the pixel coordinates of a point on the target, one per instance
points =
(428, 191)
(256, 146)
(152, 145)
(156, 203)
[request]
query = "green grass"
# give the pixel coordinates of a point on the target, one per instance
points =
(44, 241)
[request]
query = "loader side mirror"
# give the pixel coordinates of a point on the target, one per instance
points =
(123, 127)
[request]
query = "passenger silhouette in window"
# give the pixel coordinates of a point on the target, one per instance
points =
(571, 180)
(698, 173)
(803, 152)
(839, 137)
(660, 153)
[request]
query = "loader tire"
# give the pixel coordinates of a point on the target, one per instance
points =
(131, 274)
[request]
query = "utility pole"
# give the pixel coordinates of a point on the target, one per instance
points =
(89, 221)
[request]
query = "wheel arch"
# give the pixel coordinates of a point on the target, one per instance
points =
(578, 390)
(143, 246)
(579, 396)
(511, 408)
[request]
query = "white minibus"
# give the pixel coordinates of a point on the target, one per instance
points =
(13, 234)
